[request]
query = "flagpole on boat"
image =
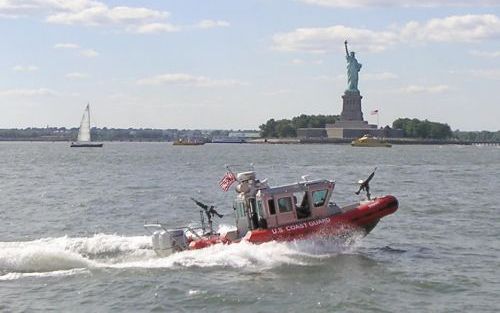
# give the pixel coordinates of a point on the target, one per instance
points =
(228, 167)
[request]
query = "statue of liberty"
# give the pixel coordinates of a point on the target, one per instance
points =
(353, 68)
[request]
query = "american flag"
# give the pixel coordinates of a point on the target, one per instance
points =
(227, 181)
(374, 112)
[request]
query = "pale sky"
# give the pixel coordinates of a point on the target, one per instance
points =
(235, 64)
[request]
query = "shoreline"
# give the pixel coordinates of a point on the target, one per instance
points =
(292, 141)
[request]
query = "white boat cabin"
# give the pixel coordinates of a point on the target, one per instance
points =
(259, 206)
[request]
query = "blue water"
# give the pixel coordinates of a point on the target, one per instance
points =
(72, 236)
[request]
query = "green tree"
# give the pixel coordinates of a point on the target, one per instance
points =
(414, 128)
(288, 128)
(269, 129)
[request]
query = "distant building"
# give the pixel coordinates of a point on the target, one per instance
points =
(236, 137)
(245, 134)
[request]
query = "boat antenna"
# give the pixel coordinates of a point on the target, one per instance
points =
(230, 168)
(305, 177)
(365, 185)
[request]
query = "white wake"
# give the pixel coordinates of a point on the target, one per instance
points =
(64, 256)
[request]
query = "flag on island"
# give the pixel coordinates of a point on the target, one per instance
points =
(374, 112)
(227, 181)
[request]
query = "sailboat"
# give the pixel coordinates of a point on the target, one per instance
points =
(83, 139)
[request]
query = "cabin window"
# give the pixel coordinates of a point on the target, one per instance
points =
(270, 204)
(240, 209)
(285, 205)
(302, 204)
(300, 199)
(319, 197)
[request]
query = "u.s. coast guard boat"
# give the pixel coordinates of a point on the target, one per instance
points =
(283, 213)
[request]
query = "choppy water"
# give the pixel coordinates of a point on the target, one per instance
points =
(72, 238)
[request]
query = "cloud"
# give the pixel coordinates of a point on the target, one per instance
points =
(325, 39)
(488, 54)
(277, 92)
(298, 61)
(100, 14)
(66, 46)
(327, 78)
(464, 28)
(25, 68)
(139, 20)
(491, 74)
(28, 6)
(41, 7)
(183, 79)
(77, 75)
(9, 16)
(28, 92)
(413, 89)
(400, 3)
(82, 12)
(379, 76)
(12, 7)
(212, 24)
(153, 28)
(89, 53)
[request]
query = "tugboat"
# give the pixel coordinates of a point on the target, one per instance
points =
(283, 213)
(370, 141)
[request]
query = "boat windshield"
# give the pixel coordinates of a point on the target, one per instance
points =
(319, 197)
(285, 204)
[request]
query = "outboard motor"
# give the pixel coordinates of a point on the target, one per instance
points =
(166, 242)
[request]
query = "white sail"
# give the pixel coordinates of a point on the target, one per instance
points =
(84, 132)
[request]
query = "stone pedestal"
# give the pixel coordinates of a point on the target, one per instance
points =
(351, 108)
(351, 123)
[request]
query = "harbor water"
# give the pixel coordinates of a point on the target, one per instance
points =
(72, 236)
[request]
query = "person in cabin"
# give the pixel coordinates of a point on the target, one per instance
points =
(303, 210)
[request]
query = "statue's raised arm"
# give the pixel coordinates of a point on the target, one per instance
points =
(346, 51)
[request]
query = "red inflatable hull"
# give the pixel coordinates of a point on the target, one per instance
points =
(365, 217)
